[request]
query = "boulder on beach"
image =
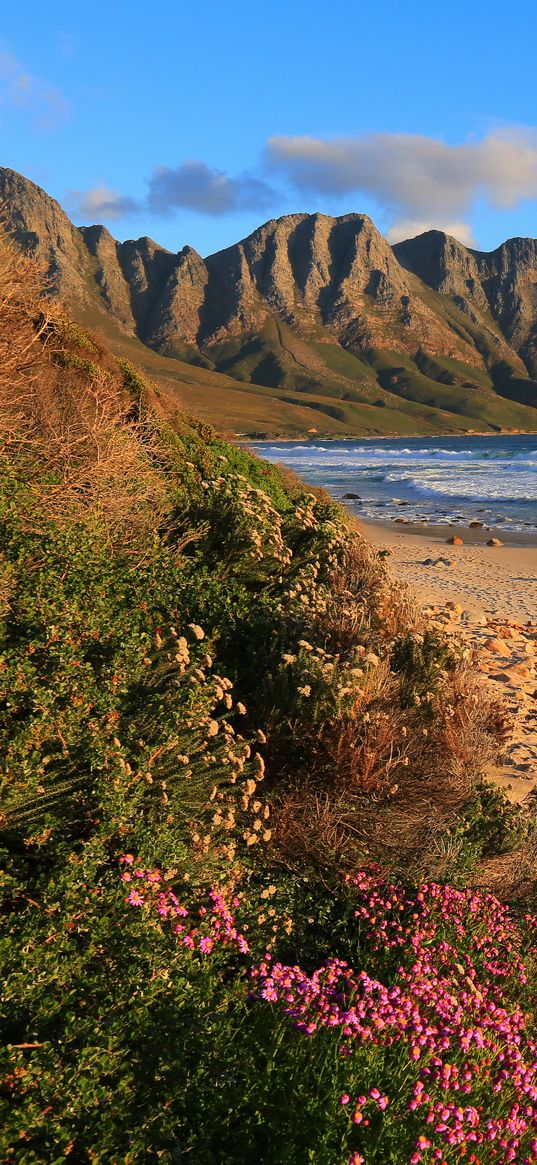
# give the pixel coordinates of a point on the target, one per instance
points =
(494, 542)
(454, 541)
(498, 647)
(350, 497)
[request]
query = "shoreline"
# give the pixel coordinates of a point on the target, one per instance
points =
(241, 439)
(439, 532)
(425, 488)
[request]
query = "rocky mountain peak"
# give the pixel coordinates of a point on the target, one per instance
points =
(443, 263)
(41, 227)
(301, 284)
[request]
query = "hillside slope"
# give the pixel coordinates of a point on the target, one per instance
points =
(312, 323)
(224, 733)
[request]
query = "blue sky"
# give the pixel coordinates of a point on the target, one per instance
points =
(193, 123)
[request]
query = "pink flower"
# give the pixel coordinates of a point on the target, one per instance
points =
(135, 898)
(344, 1098)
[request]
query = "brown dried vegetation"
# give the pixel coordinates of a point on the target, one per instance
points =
(67, 425)
(387, 780)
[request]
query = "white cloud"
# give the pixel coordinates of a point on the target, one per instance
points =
(419, 181)
(100, 202)
(406, 228)
(22, 90)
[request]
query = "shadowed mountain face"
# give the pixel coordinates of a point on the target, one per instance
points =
(422, 337)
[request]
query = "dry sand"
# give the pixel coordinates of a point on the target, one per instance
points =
(488, 596)
(490, 580)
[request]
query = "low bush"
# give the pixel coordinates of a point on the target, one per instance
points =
(154, 1024)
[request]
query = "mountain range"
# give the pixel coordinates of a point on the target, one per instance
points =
(312, 324)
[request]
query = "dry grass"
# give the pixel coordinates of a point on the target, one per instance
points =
(511, 876)
(386, 784)
(365, 598)
(27, 320)
(66, 424)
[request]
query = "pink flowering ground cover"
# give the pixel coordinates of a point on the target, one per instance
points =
(436, 1046)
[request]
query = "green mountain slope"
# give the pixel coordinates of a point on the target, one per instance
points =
(311, 323)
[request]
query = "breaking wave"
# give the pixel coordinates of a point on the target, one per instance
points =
(434, 478)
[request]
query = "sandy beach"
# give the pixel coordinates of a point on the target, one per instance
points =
(499, 581)
(488, 596)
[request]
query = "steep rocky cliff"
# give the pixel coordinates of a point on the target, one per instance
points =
(314, 304)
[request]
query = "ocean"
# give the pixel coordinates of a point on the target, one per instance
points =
(429, 480)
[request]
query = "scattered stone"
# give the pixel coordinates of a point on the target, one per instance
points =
(455, 607)
(350, 497)
(498, 647)
(476, 525)
(494, 542)
(454, 541)
(515, 676)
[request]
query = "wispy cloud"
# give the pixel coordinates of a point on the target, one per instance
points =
(192, 185)
(196, 186)
(22, 90)
(66, 44)
(100, 202)
(418, 181)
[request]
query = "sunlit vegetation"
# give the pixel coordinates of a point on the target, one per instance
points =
(248, 854)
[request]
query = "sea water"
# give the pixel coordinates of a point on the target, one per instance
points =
(432, 480)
